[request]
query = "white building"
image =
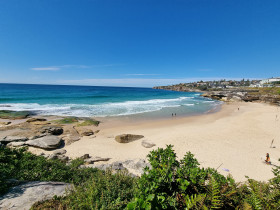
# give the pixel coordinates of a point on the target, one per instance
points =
(270, 80)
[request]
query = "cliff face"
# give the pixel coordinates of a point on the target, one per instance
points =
(271, 96)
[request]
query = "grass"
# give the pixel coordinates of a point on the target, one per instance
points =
(5, 114)
(89, 122)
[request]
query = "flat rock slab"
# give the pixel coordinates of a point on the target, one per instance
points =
(126, 138)
(8, 139)
(46, 142)
(23, 196)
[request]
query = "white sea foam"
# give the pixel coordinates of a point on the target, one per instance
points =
(106, 109)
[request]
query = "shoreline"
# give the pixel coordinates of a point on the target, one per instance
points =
(237, 139)
(226, 138)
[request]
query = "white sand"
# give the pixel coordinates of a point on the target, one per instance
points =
(235, 139)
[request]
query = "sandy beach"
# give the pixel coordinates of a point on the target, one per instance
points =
(228, 139)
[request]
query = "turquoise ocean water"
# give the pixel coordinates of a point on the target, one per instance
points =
(93, 101)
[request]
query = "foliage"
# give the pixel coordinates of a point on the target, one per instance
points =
(172, 184)
(103, 191)
(89, 122)
(22, 165)
(167, 184)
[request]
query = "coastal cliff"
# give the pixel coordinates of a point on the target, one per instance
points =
(267, 95)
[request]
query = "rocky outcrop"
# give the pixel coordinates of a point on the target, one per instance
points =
(9, 139)
(84, 131)
(134, 167)
(51, 130)
(126, 138)
(46, 142)
(23, 196)
(147, 144)
(95, 159)
(35, 120)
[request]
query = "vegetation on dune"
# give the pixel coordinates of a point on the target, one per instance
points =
(89, 122)
(265, 91)
(6, 114)
(168, 184)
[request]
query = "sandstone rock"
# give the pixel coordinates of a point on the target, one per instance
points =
(8, 139)
(16, 144)
(63, 158)
(85, 156)
(59, 152)
(23, 196)
(95, 159)
(136, 166)
(84, 131)
(37, 136)
(46, 142)
(126, 138)
(52, 130)
(147, 144)
(35, 120)
(5, 123)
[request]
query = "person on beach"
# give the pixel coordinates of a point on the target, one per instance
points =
(267, 160)
(172, 114)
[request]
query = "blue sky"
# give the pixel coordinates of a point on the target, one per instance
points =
(137, 42)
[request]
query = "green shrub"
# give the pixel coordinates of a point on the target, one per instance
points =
(22, 165)
(103, 191)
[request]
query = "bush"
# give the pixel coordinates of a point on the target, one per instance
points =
(22, 165)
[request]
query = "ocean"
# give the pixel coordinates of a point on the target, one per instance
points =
(93, 101)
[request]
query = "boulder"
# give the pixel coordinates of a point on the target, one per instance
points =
(126, 138)
(147, 144)
(84, 131)
(9, 139)
(25, 195)
(59, 152)
(46, 142)
(52, 130)
(85, 156)
(136, 166)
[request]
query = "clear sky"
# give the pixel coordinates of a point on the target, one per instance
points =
(137, 42)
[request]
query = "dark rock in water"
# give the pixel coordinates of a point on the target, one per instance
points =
(4, 105)
(126, 138)
(13, 115)
(46, 142)
(8, 139)
(25, 195)
(52, 130)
